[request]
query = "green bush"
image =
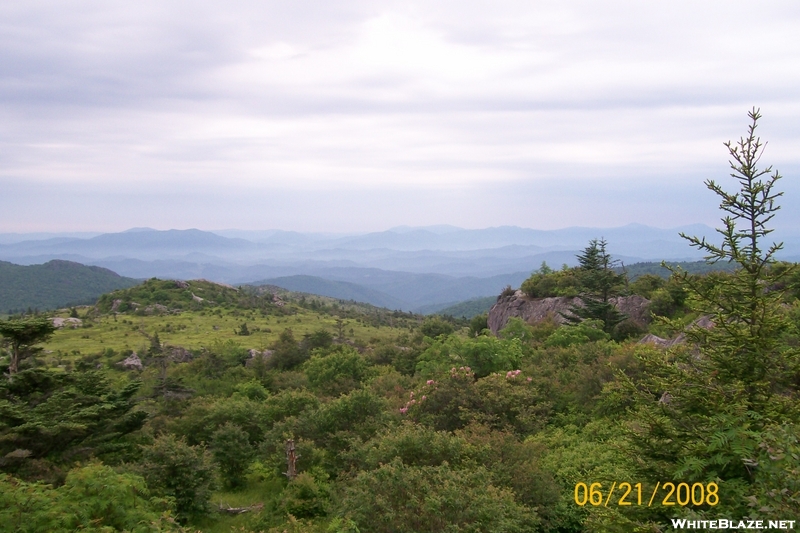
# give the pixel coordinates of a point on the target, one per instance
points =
(232, 452)
(454, 400)
(414, 445)
(286, 352)
(93, 498)
(336, 370)
(478, 325)
(646, 285)
(580, 333)
(397, 498)
(484, 355)
(305, 497)
(565, 282)
(434, 327)
(176, 470)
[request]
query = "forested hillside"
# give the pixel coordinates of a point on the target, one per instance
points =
(54, 284)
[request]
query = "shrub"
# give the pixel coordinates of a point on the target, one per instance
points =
(484, 355)
(414, 445)
(93, 498)
(396, 498)
(305, 497)
(563, 282)
(339, 370)
(478, 324)
(580, 333)
(232, 453)
(434, 327)
(646, 285)
(286, 352)
(176, 470)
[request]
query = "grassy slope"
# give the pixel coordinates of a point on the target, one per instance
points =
(205, 323)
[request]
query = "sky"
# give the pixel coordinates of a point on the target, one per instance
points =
(355, 116)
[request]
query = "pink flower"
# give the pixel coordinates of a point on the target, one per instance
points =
(412, 395)
(403, 410)
(423, 398)
(530, 379)
(430, 382)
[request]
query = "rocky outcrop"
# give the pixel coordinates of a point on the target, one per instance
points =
(661, 342)
(533, 310)
(156, 309)
(132, 362)
(179, 354)
(703, 322)
(255, 355)
(59, 322)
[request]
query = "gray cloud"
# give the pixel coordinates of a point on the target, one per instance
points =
(365, 115)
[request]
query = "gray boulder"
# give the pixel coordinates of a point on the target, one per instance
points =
(132, 362)
(533, 310)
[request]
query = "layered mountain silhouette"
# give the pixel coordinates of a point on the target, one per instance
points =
(405, 268)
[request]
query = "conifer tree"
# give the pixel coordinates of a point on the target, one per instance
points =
(599, 284)
(717, 409)
(743, 345)
(22, 335)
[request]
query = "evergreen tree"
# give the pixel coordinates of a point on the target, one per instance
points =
(232, 452)
(22, 335)
(744, 344)
(723, 409)
(599, 284)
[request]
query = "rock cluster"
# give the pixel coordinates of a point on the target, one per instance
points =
(533, 310)
(59, 322)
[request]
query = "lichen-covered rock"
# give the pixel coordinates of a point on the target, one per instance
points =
(255, 355)
(132, 362)
(661, 342)
(533, 310)
(59, 322)
(703, 322)
(179, 354)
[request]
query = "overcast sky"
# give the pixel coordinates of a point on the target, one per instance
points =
(359, 116)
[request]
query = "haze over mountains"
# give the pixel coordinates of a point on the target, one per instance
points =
(401, 268)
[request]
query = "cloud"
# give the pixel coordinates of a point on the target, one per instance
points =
(384, 100)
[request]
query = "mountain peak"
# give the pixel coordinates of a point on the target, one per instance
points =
(138, 230)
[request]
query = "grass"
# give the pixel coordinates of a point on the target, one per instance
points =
(259, 489)
(194, 330)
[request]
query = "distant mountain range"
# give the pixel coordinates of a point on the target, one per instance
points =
(406, 268)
